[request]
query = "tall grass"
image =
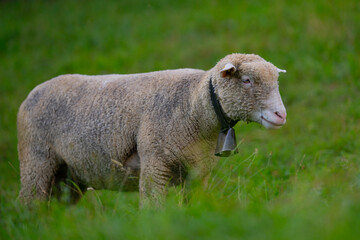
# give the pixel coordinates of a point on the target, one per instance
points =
(298, 182)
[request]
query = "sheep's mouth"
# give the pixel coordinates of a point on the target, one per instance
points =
(273, 124)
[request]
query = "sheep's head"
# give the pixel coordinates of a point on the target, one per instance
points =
(248, 90)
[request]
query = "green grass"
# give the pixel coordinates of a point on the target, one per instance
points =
(299, 182)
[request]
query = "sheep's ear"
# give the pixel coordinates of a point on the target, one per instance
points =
(227, 70)
(280, 70)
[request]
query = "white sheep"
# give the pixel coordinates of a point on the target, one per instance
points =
(140, 131)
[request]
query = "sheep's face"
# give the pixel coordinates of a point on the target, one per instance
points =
(250, 92)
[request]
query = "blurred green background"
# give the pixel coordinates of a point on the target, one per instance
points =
(299, 182)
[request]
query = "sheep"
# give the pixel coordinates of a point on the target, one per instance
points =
(139, 132)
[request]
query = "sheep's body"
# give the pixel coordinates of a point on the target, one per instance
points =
(108, 131)
(94, 124)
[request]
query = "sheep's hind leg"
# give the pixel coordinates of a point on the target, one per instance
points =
(37, 172)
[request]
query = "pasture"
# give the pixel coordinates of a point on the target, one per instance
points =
(298, 182)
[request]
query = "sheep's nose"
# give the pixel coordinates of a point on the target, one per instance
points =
(281, 116)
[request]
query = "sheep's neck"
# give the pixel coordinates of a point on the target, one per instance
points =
(225, 122)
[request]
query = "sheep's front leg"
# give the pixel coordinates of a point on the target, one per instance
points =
(155, 179)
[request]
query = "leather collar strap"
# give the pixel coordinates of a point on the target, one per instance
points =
(225, 122)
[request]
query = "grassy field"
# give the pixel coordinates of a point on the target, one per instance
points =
(299, 182)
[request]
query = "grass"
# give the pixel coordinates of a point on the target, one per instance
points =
(298, 182)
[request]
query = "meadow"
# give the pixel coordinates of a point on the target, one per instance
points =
(298, 182)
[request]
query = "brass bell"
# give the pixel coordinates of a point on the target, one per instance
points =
(226, 143)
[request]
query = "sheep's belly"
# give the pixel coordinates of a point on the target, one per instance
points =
(109, 173)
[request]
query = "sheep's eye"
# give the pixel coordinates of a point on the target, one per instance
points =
(246, 80)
